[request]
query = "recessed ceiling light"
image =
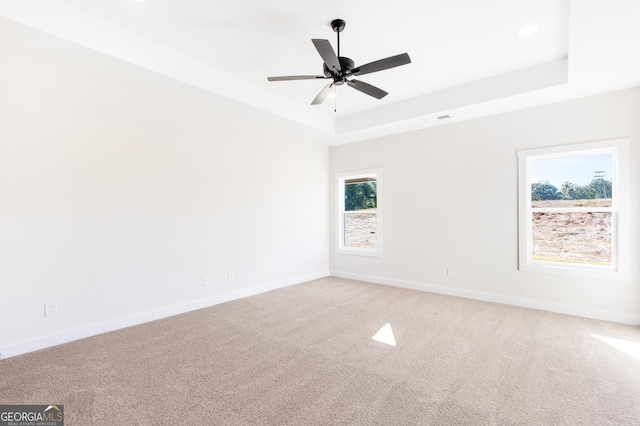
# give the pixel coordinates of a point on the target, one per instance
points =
(528, 30)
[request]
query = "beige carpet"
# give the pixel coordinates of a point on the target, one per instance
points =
(305, 355)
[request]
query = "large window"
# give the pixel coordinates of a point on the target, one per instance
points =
(359, 218)
(574, 210)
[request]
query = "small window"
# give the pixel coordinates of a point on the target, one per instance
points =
(574, 211)
(359, 213)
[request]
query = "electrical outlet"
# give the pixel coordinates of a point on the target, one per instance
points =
(205, 281)
(450, 271)
(231, 276)
(50, 309)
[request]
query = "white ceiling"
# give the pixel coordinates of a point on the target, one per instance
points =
(467, 59)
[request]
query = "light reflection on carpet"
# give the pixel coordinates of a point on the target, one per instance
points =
(630, 348)
(385, 335)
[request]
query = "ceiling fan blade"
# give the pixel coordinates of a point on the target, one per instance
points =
(295, 77)
(322, 95)
(327, 53)
(382, 64)
(367, 89)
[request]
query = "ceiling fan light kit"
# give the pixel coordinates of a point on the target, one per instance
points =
(339, 68)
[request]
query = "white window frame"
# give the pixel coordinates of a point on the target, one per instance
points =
(621, 240)
(341, 178)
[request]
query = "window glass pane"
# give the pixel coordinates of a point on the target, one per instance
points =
(360, 218)
(361, 229)
(572, 179)
(572, 237)
(360, 194)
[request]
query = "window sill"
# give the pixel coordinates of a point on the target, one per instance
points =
(586, 272)
(373, 252)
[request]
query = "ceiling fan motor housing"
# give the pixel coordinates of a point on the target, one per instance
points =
(346, 65)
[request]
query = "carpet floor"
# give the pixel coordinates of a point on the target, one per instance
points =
(304, 355)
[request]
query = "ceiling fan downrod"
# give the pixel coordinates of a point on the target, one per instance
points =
(338, 25)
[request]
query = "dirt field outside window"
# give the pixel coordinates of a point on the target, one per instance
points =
(361, 228)
(573, 237)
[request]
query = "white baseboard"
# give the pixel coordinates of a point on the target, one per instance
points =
(42, 342)
(543, 305)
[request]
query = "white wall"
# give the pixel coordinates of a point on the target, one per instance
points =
(115, 203)
(450, 199)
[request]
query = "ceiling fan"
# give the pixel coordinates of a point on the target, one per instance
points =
(339, 68)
